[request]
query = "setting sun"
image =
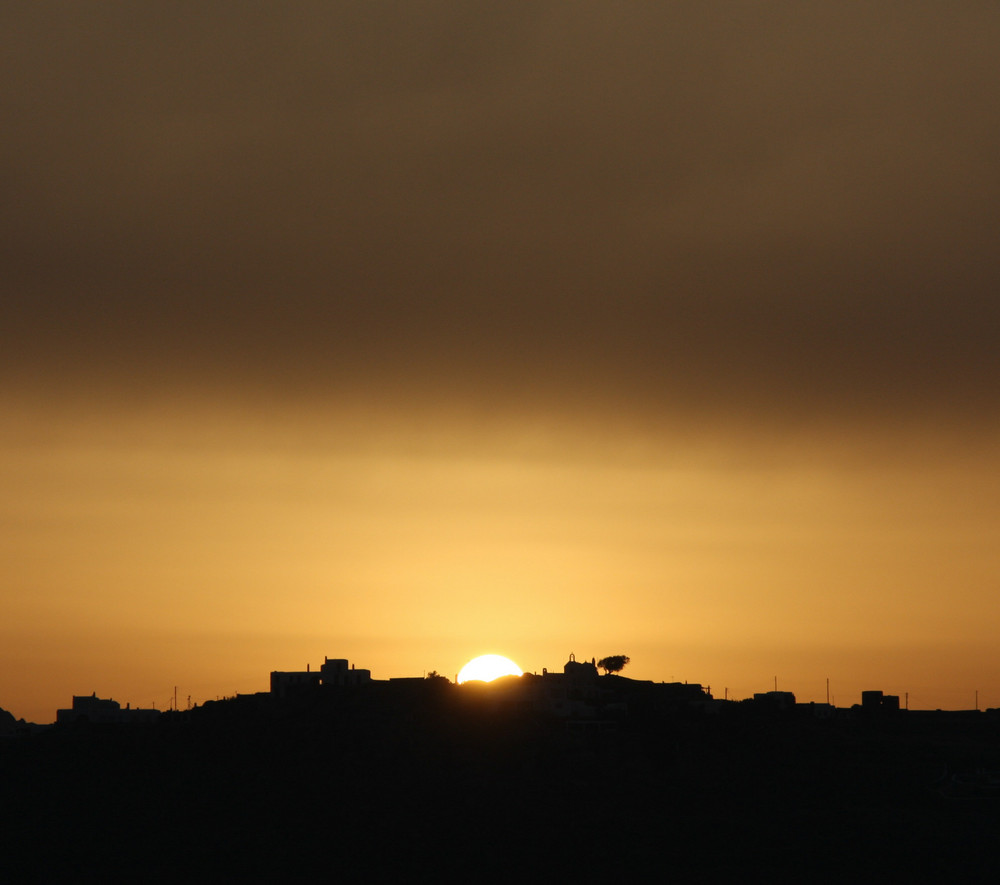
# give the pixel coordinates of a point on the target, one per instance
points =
(486, 668)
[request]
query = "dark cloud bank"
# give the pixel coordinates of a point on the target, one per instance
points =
(780, 208)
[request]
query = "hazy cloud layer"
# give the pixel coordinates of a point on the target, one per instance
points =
(787, 209)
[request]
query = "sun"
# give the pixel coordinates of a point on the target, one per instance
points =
(486, 668)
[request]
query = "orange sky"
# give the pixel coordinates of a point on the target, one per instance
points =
(411, 332)
(142, 557)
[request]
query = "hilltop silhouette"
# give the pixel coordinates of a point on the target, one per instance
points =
(553, 776)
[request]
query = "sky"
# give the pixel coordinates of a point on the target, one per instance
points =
(411, 331)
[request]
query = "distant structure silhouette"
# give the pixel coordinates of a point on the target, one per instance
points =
(876, 702)
(777, 701)
(104, 711)
(578, 696)
(333, 672)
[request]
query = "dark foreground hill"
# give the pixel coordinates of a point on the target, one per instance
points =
(438, 790)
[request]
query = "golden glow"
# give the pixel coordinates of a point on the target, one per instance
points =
(134, 563)
(486, 668)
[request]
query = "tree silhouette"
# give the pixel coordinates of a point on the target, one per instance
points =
(613, 663)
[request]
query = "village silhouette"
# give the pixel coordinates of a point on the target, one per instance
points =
(566, 773)
(578, 696)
